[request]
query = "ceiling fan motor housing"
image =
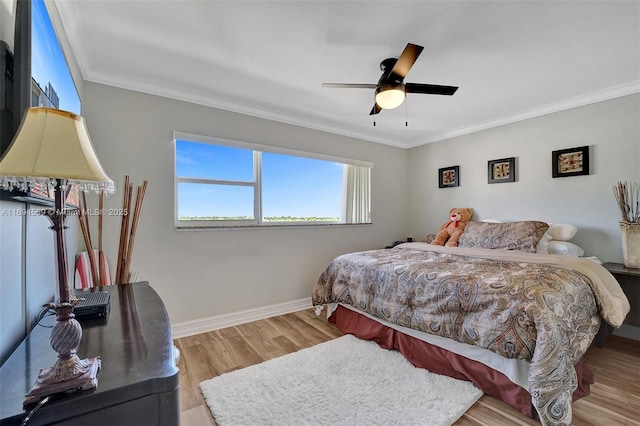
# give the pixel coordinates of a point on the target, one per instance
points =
(387, 76)
(387, 64)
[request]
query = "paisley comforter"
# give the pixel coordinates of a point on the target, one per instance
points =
(545, 309)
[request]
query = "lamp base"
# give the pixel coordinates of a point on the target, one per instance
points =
(63, 377)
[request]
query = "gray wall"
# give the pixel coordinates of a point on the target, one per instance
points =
(202, 273)
(205, 273)
(611, 129)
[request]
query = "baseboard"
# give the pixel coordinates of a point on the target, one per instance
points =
(628, 331)
(203, 325)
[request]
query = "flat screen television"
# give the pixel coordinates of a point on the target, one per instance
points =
(16, 69)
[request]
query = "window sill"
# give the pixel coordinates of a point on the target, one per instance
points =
(270, 226)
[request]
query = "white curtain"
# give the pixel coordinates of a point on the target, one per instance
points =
(357, 205)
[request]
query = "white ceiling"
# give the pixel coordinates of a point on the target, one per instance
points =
(511, 59)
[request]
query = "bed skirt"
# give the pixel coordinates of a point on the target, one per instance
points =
(441, 361)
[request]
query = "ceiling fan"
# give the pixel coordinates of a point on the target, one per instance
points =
(391, 89)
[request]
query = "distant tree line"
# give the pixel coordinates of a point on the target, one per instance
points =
(300, 219)
(266, 219)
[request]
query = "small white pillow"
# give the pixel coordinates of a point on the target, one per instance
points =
(565, 248)
(543, 244)
(562, 231)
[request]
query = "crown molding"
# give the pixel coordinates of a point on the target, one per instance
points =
(240, 108)
(575, 102)
(301, 121)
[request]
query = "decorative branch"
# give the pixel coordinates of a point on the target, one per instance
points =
(100, 218)
(124, 225)
(628, 198)
(133, 228)
(83, 218)
(128, 229)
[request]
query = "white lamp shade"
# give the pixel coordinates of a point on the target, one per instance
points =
(54, 144)
(389, 97)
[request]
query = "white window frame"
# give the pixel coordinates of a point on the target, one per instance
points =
(257, 149)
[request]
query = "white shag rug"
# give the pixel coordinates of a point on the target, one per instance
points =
(345, 381)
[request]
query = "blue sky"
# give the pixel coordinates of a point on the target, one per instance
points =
(292, 186)
(48, 64)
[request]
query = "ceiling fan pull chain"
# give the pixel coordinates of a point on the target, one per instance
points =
(406, 120)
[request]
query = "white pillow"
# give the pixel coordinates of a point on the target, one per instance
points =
(565, 248)
(562, 231)
(543, 244)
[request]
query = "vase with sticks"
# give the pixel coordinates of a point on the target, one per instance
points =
(628, 197)
(130, 215)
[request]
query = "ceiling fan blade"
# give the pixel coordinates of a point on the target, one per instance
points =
(350, 85)
(405, 62)
(430, 89)
(375, 110)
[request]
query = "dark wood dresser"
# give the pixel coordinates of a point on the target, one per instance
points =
(629, 280)
(138, 381)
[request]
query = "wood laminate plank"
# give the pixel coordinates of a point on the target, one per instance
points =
(614, 398)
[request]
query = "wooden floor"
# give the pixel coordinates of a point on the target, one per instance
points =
(614, 398)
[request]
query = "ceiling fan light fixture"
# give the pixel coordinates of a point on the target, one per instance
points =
(389, 96)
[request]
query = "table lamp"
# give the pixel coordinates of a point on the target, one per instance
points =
(52, 147)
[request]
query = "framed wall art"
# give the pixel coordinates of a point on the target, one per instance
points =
(570, 162)
(449, 177)
(502, 170)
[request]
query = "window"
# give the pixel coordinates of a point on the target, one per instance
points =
(221, 183)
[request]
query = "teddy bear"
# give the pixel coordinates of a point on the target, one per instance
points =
(451, 231)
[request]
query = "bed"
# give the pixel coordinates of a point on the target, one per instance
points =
(495, 311)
